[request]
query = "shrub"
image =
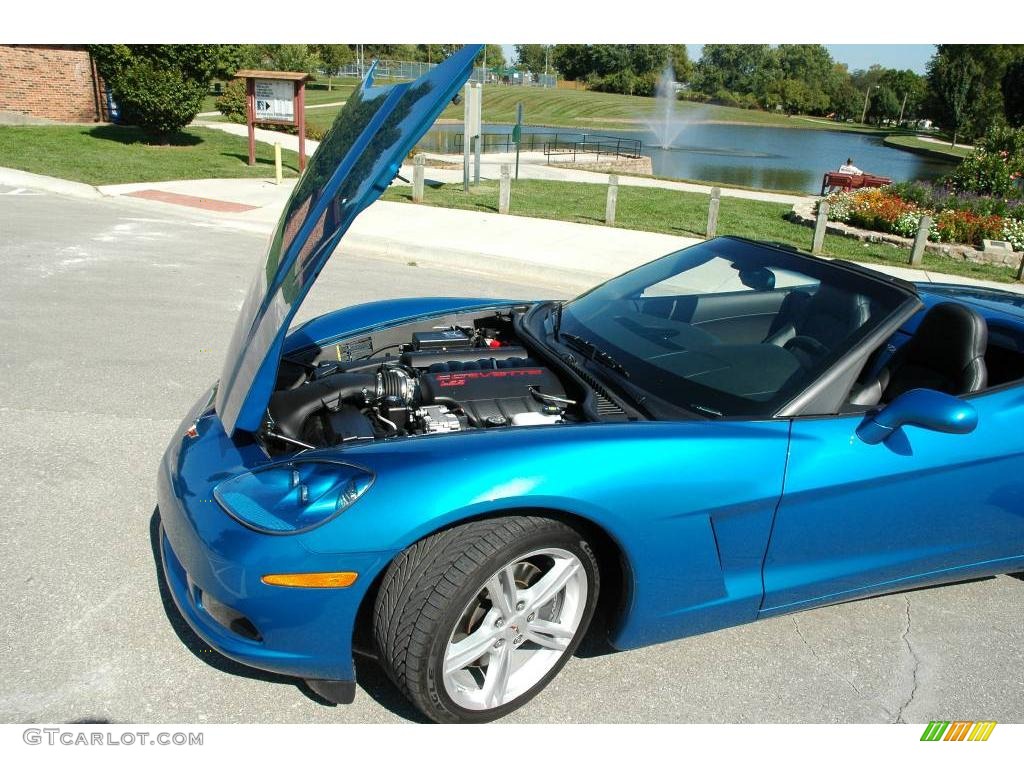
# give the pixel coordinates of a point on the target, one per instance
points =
(159, 87)
(882, 210)
(160, 101)
(232, 104)
(1013, 232)
(994, 167)
(965, 227)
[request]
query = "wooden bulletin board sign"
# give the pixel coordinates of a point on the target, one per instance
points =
(275, 97)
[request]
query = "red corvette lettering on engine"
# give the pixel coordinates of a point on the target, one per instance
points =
(459, 379)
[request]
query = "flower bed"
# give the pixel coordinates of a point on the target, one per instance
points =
(954, 219)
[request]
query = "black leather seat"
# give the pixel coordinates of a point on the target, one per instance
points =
(947, 353)
(812, 325)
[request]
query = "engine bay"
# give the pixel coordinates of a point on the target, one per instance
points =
(451, 374)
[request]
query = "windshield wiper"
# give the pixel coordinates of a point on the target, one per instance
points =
(593, 352)
(556, 318)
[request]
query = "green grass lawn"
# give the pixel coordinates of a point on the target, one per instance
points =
(679, 213)
(108, 154)
(592, 110)
(922, 147)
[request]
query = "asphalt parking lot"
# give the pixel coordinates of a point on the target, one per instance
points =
(115, 318)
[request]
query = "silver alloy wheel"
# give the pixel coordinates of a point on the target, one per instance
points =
(515, 629)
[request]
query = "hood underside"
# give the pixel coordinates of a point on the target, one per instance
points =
(355, 163)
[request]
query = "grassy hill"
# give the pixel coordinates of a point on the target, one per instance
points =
(589, 110)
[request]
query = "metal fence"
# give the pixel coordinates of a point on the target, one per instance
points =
(559, 144)
(411, 70)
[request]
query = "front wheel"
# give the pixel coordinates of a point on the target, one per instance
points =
(473, 622)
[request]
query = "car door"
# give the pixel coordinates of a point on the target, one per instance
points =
(921, 507)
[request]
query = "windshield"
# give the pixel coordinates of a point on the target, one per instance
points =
(728, 327)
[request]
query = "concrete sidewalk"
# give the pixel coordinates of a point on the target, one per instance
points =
(563, 254)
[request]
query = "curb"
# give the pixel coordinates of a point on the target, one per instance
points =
(16, 178)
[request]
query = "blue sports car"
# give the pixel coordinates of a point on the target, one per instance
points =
(465, 487)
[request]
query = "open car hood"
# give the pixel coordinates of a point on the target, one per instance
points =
(355, 163)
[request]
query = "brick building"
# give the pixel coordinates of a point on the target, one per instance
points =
(57, 82)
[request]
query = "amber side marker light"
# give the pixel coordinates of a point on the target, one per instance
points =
(331, 579)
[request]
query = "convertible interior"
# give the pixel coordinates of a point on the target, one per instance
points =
(750, 342)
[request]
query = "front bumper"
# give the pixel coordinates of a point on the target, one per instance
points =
(213, 565)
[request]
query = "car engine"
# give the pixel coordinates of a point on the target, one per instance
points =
(445, 379)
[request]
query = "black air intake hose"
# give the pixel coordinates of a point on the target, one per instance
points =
(291, 407)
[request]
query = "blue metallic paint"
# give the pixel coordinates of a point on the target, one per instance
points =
(719, 522)
(926, 408)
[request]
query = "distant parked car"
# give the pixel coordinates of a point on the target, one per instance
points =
(460, 486)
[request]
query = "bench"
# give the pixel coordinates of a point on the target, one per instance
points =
(834, 180)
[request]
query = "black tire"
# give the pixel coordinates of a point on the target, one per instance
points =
(428, 586)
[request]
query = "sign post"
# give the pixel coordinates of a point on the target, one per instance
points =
(517, 134)
(471, 130)
(275, 97)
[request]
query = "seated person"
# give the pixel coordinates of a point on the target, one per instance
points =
(849, 167)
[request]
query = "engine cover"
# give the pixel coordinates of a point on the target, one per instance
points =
(491, 397)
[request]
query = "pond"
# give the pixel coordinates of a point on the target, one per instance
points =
(746, 155)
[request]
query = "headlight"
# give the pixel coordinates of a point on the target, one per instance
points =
(294, 496)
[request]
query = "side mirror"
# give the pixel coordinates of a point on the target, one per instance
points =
(924, 408)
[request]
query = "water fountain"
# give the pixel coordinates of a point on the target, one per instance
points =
(666, 124)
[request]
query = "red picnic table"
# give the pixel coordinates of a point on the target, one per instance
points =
(834, 180)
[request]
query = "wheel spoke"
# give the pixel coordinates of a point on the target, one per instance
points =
(553, 582)
(499, 668)
(549, 634)
(501, 588)
(470, 648)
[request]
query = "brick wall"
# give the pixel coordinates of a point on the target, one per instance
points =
(51, 81)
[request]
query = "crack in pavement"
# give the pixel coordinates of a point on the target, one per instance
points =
(822, 662)
(905, 637)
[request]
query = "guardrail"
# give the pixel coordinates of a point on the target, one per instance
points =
(559, 144)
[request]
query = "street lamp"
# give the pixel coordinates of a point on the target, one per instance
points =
(867, 95)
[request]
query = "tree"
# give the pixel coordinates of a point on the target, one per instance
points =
(908, 87)
(492, 55)
(953, 77)
(233, 57)
(290, 57)
(159, 87)
(334, 57)
(1013, 93)
(736, 68)
(845, 101)
(884, 105)
(620, 68)
(681, 63)
(532, 57)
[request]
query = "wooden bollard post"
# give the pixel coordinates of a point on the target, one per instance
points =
(820, 227)
(278, 171)
(920, 240)
(505, 188)
(713, 204)
(418, 166)
(613, 198)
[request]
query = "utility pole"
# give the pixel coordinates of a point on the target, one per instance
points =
(902, 107)
(867, 95)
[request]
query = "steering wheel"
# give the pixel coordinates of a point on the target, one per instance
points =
(806, 349)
